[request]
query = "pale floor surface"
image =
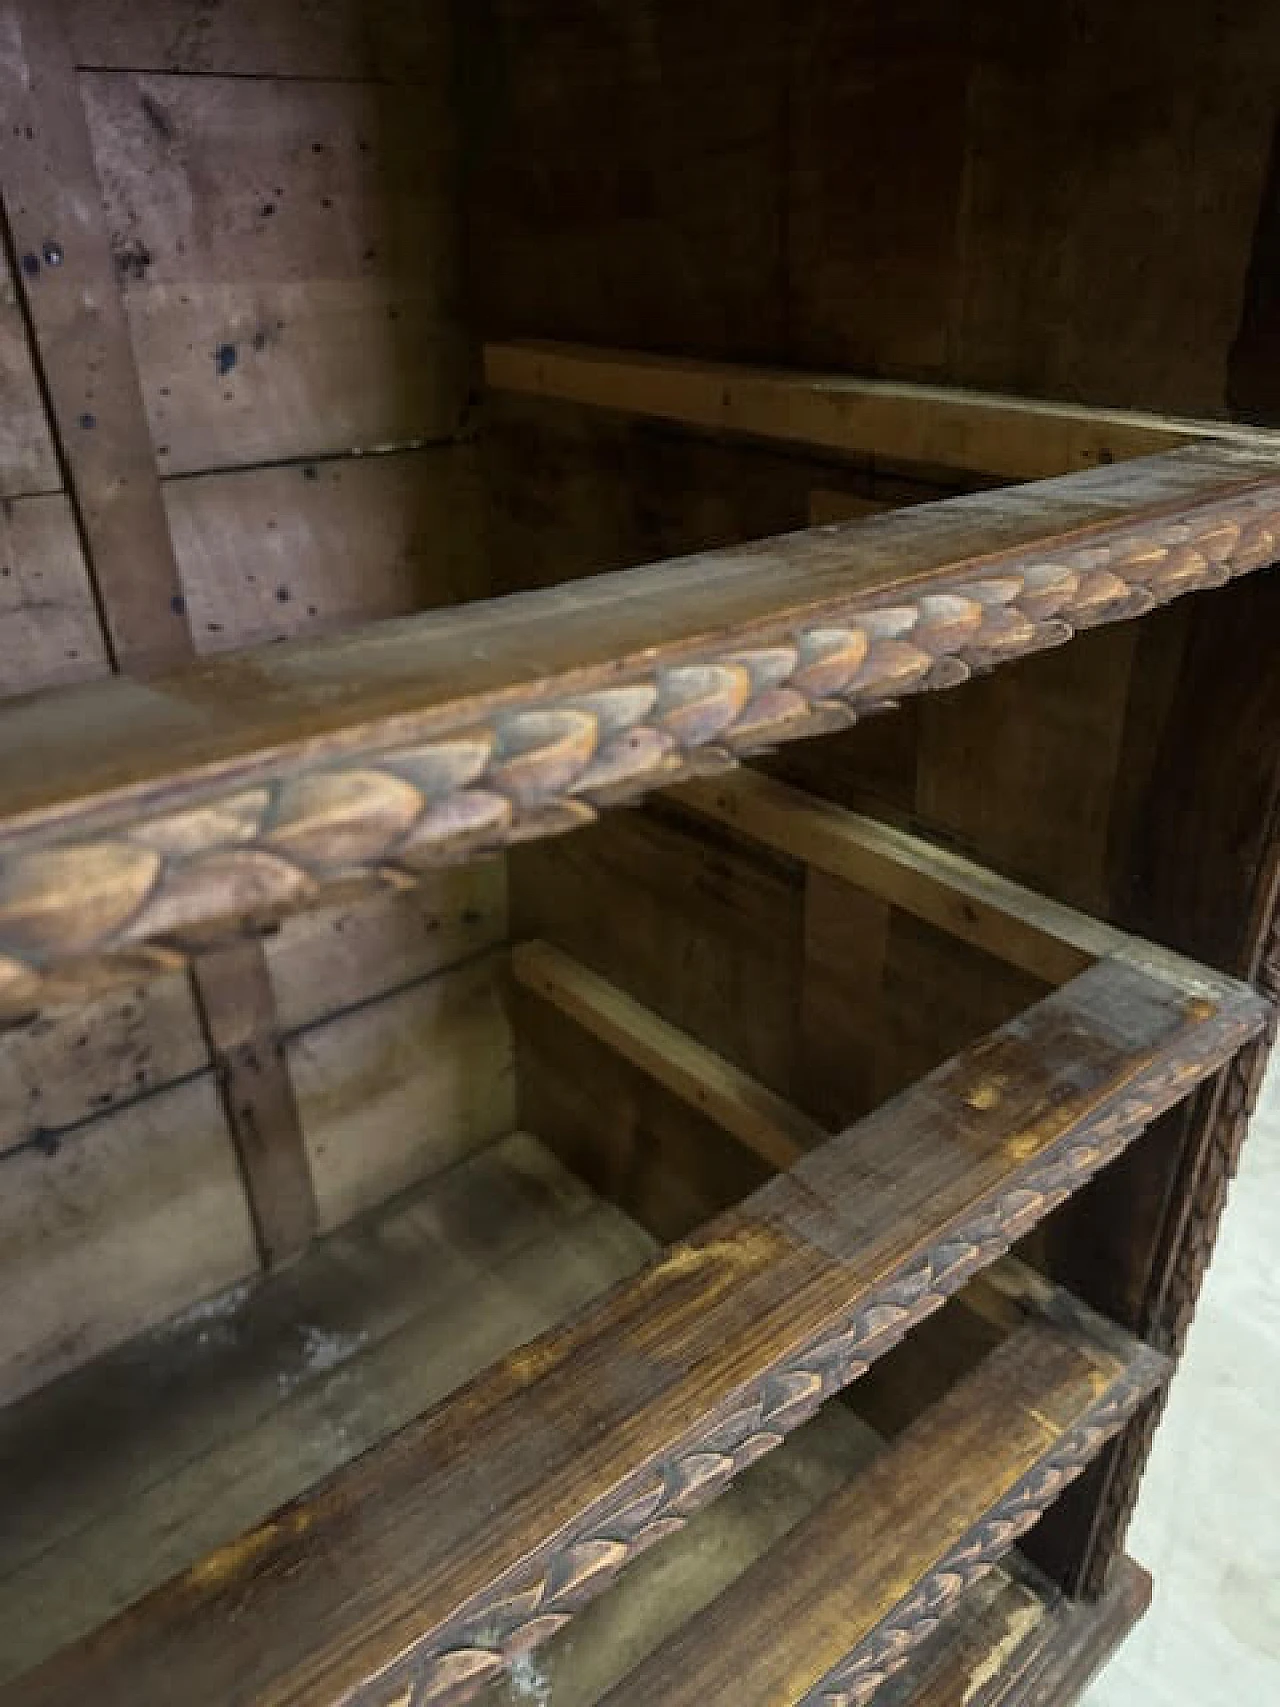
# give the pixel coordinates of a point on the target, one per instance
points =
(1208, 1522)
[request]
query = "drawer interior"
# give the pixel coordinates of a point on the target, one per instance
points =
(737, 1174)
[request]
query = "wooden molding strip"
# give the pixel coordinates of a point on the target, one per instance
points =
(136, 814)
(1008, 438)
(65, 270)
(956, 895)
(841, 1602)
(381, 1588)
(768, 1125)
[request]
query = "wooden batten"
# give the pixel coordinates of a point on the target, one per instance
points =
(796, 1291)
(1007, 438)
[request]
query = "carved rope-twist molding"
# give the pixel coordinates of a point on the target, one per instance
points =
(889, 1646)
(547, 766)
(527, 1607)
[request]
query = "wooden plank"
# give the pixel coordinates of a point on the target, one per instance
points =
(271, 553)
(336, 957)
(1041, 937)
(392, 1092)
(705, 931)
(836, 1606)
(1063, 287)
(58, 228)
(105, 1233)
(287, 264)
(584, 1434)
(238, 1010)
(1010, 438)
(391, 40)
(28, 461)
(1048, 940)
(49, 628)
(519, 718)
(773, 1129)
(667, 1166)
(669, 232)
(206, 1424)
(72, 1064)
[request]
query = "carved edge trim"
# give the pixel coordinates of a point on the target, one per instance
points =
(1230, 1119)
(529, 1604)
(553, 761)
(888, 1647)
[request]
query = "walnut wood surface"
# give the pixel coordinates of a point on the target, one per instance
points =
(836, 1607)
(136, 814)
(597, 1439)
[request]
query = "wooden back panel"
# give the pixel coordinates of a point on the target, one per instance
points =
(278, 245)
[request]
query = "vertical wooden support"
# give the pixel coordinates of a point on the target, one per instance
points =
(80, 340)
(237, 1005)
(56, 228)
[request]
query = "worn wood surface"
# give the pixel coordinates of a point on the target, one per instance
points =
(1007, 438)
(795, 1292)
(1026, 1646)
(238, 1012)
(268, 554)
(136, 1467)
(49, 628)
(59, 229)
(709, 937)
(563, 701)
(835, 1607)
(115, 1226)
(287, 261)
(28, 459)
(392, 1091)
(770, 1127)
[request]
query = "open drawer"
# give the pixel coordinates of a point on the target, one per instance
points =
(397, 1468)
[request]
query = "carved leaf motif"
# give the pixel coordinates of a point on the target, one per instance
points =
(237, 881)
(334, 819)
(226, 823)
(59, 901)
(696, 702)
(540, 753)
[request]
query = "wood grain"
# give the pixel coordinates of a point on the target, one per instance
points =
(287, 262)
(49, 628)
(237, 1009)
(58, 227)
(586, 1437)
(107, 1231)
(392, 1092)
(269, 554)
(28, 460)
(141, 1463)
(836, 1606)
(245, 787)
(772, 1129)
(1009, 438)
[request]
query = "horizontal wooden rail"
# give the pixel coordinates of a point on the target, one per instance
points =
(956, 895)
(840, 1603)
(419, 1570)
(766, 1124)
(136, 817)
(1008, 438)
